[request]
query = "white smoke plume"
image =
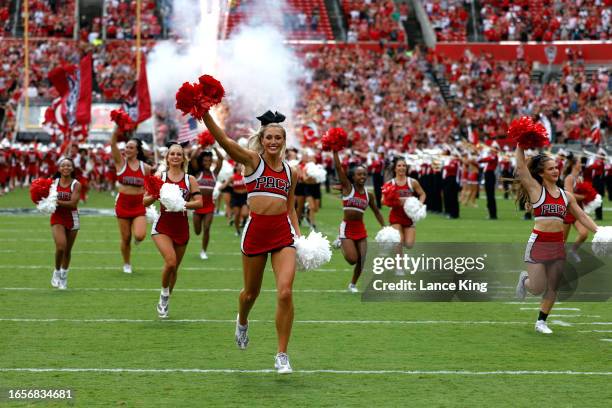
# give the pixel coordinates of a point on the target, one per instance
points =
(258, 71)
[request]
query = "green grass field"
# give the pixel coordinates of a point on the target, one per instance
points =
(102, 338)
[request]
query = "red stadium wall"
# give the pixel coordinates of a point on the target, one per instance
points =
(592, 51)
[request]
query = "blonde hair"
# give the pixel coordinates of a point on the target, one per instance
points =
(185, 159)
(255, 144)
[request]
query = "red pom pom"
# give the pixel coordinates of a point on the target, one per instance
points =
(390, 195)
(197, 99)
(123, 120)
(586, 189)
(206, 139)
(152, 185)
(39, 189)
(211, 89)
(527, 134)
(335, 139)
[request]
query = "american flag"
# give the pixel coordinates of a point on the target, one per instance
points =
(188, 131)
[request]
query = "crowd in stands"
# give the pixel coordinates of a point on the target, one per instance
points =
(488, 94)
(546, 20)
(51, 18)
(120, 19)
(374, 20)
(448, 18)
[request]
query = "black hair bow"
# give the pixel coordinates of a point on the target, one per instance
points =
(270, 117)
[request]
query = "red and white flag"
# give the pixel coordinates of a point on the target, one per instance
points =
(137, 102)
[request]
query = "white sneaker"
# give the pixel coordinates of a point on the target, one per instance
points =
(281, 363)
(63, 281)
(353, 288)
(241, 334)
(542, 327)
(55, 279)
(127, 268)
(521, 291)
(162, 308)
(203, 255)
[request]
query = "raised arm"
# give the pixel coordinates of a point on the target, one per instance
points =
(236, 152)
(346, 184)
(115, 153)
(522, 172)
(219, 164)
(193, 159)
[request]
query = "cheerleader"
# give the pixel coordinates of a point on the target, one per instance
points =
(572, 176)
(129, 208)
(170, 232)
(353, 234)
(271, 227)
(545, 253)
(65, 221)
(207, 179)
(238, 202)
(407, 187)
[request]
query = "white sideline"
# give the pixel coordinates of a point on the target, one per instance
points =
(349, 372)
(556, 308)
(175, 290)
(336, 322)
(49, 267)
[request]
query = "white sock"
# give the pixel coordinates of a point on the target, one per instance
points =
(165, 292)
(63, 272)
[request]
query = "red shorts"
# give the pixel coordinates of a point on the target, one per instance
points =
(545, 247)
(472, 178)
(129, 206)
(266, 233)
(354, 230)
(68, 218)
(208, 207)
(173, 224)
(398, 216)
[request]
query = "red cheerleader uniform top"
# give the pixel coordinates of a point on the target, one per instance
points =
(265, 181)
(64, 194)
(406, 190)
(207, 181)
(129, 177)
(549, 207)
(238, 182)
(356, 201)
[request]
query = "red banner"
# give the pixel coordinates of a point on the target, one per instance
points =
(556, 53)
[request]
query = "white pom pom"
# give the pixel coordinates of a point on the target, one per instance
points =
(316, 171)
(593, 205)
(602, 241)
(414, 209)
(171, 197)
(48, 204)
(388, 235)
(312, 251)
(152, 214)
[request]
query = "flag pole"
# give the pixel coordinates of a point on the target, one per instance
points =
(138, 36)
(26, 61)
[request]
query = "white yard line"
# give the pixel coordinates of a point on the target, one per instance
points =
(556, 308)
(338, 372)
